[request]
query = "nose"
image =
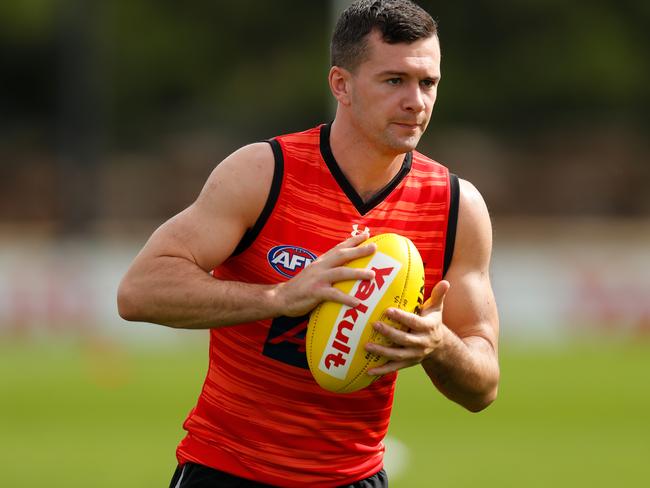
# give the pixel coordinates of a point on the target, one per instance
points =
(414, 100)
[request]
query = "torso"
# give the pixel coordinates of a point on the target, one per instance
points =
(260, 414)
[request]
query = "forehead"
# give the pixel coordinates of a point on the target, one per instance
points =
(419, 57)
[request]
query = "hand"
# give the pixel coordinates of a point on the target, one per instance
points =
(314, 284)
(423, 334)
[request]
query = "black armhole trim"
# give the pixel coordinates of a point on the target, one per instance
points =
(452, 221)
(356, 200)
(251, 234)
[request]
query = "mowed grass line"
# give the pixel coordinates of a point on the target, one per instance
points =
(94, 415)
(565, 417)
(102, 415)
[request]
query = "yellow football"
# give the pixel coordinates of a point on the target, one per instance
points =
(337, 334)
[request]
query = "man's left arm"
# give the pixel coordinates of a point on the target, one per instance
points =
(455, 337)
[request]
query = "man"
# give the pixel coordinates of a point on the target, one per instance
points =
(268, 237)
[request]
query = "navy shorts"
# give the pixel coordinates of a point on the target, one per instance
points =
(191, 475)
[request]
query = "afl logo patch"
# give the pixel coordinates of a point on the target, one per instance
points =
(289, 260)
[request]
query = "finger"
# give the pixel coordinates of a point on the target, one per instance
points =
(390, 367)
(354, 240)
(406, 319)
(393, 353)
(332, 294)
(397, 336)
(342, 256)
(437, 298)
(350, 253)
(342, 273)
(350, 242)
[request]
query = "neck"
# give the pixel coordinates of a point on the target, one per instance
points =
(366, 167)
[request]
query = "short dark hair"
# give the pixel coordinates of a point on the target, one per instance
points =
(396, 20)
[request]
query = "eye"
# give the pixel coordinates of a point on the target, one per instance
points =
(394, 81)
(429, 83)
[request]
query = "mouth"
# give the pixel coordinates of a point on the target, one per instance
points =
(407, 125)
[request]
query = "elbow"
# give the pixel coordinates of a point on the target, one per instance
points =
(481, 402)
(127, 303)
(484, 397)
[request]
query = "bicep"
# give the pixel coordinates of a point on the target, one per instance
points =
(208, 231)
(470, 308)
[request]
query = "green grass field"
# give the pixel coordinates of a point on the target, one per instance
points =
(99, 415)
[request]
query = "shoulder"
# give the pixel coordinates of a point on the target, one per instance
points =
(230, 202)
(425, 164)
(474, 228)
(241, 181)
(249, 164)
(471, 200)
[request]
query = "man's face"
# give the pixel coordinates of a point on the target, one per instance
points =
(393, 92)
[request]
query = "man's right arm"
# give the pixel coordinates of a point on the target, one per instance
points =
(169, 281)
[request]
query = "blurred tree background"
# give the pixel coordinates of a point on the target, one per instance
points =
(113, 113)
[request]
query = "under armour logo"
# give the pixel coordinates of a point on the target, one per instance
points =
(356, 230)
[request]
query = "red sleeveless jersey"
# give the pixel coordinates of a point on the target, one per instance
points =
(260, 414)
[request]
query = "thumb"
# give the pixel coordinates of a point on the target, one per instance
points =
(437, 298)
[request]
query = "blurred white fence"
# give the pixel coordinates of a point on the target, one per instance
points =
(552, 280)
(555, 279)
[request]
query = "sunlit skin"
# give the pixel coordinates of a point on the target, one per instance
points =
(384, 106)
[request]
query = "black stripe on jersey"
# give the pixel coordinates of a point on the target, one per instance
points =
(274, 192)
(452, 221)
(356, 200)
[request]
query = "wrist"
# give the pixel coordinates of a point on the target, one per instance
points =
(274, 298)
(445, 341)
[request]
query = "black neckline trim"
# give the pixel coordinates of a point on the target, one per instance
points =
(356, 200)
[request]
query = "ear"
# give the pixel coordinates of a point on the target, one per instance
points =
(339, 80)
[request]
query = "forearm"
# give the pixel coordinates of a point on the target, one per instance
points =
(175, 292)
(465, 371)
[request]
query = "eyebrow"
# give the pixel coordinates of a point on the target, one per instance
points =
(404, 73)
